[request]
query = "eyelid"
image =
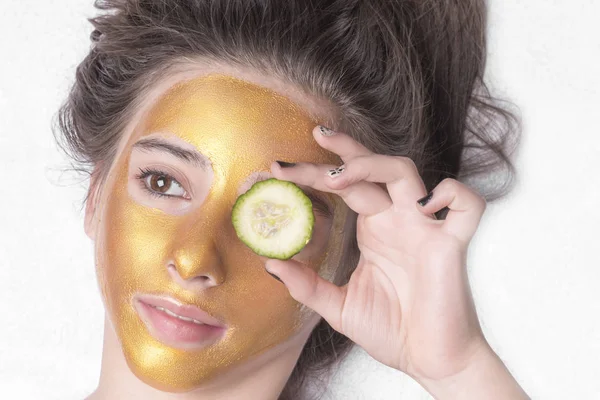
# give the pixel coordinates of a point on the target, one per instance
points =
(174, 174)
(143, 175)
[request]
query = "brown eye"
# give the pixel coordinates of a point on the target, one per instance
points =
(160, 183)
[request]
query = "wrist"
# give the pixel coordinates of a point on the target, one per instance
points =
(484, 377)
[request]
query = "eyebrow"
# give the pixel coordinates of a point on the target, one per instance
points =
(199, 160)
(190, 156)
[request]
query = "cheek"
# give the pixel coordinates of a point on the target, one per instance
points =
(260, 306)
(138, 245)
(135, 247)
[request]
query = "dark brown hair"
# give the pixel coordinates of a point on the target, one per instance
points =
(405, 75)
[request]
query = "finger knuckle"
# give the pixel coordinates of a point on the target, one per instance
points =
(461, 189)
(477, 198)
(363, 172)
(450, 184)
(357, 169)
(449, 181)
(406, 162)
(311, 167)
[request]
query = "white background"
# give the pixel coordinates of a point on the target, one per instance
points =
(534, 265)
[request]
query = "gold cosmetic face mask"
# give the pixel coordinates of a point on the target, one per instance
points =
(241, 128)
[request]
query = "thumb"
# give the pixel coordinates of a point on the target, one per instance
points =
(307, 287)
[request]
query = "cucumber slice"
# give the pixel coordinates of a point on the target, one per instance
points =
(274, 218)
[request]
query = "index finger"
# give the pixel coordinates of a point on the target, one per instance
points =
(363, 197)
(339, 143)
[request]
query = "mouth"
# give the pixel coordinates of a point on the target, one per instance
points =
(177, 325)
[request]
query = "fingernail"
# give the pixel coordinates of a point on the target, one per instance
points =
(275, 276)
(423, 201)
(334, 173)
(284, 164)
(325, 131)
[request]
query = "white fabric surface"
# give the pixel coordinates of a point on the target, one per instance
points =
(534, 265)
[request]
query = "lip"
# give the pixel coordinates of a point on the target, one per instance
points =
(176, 324)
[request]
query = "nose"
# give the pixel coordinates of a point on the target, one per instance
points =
(196, 263)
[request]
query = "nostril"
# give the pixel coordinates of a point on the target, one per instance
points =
(203, 281)
(198, 279)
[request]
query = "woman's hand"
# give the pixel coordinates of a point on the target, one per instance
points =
(408, 303)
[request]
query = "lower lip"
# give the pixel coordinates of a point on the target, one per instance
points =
(175, 332)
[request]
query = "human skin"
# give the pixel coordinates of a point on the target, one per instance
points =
(408, 303)
(423, 291)
(184, 246)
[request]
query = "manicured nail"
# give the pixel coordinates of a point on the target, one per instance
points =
(275, 276)
(334, 173)
(284, 164)
(423, 201)
(325, 131)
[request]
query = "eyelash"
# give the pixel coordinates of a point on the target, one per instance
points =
(146, 172)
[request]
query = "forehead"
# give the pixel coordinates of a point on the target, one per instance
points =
(222, 115)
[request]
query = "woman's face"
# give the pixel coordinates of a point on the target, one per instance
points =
(186, 297)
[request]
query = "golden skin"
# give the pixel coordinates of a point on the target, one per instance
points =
(241, 128)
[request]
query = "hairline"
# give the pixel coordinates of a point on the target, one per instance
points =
(158, 82)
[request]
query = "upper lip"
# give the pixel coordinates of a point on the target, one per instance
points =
(179, 308)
